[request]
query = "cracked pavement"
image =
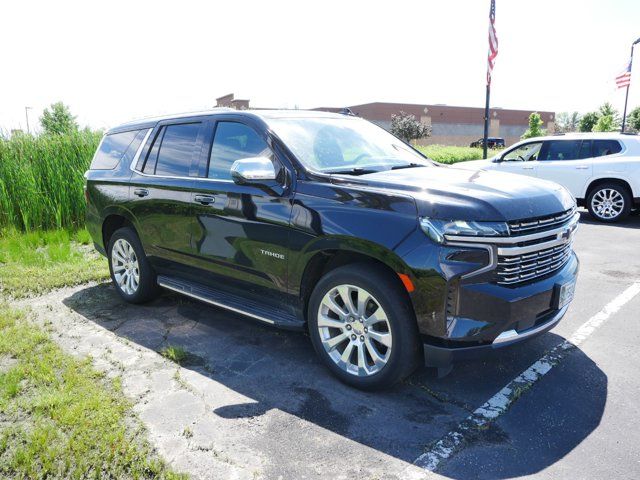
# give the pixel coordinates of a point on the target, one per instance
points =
(253, 402)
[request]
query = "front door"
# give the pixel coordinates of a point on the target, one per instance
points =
(521, 160)
(241, 231)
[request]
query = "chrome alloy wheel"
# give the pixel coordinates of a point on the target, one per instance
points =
(126, 269)
(607, 203)
(354, 330)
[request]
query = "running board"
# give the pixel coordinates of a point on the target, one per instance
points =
(265, 313)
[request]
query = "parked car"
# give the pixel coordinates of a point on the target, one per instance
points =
(601, 170)
(492, 142)
(327, 223)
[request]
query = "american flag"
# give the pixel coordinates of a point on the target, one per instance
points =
(493, 41)
(624, 79)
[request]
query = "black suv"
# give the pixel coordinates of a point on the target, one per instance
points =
(327, 223)
(492, 142)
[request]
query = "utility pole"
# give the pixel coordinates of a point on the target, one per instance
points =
(26, 114)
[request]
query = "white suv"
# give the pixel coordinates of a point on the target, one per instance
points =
(601, 170)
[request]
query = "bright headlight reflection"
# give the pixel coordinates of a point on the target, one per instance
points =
(437, 229)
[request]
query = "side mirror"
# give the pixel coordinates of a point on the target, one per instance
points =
(253, 170)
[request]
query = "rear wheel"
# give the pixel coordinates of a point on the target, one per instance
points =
(609, 202)
(131, 273)
(362, 327)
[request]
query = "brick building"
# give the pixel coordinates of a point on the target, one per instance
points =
(453, 125)
(450, 125)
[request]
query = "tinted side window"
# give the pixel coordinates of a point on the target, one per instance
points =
(605, 147)
(114, 147)
(152, 156)
(585, 149)
(561, 150)
(176, 150)
(233, 141)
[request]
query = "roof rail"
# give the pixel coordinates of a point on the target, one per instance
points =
(628, 133)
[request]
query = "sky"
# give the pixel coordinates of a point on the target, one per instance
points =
(113, 61)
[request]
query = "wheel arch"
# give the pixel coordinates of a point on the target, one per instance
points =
(600, 181)
(328, 256)
(112, 221)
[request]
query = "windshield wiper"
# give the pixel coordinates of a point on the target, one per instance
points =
(352, 171)
(408, 165)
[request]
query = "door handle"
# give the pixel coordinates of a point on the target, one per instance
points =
(205, 199)
(141, 192)
(527, 167)
(582, 167)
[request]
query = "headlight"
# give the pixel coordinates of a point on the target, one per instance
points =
(437, 229)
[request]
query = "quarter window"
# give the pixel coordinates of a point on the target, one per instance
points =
(116, 146)
(561, 150)
(233, 141)
(602, 148)
(176, 150)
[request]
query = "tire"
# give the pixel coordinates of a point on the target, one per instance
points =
(399, 331)
(609, 202)
(126, 259)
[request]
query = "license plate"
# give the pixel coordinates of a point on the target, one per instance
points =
(565, 293)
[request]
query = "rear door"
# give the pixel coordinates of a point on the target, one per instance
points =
(241, 231)
(567, 162)
(161, 191)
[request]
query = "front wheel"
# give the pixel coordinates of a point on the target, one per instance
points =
(362, 327)
(609, 202)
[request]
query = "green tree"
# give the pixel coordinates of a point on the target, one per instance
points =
(567, 122)
(605, 123)
(606, 109)
(406, 127)
(588, 121)
(57, 120)
(535, 127)
(633, 120)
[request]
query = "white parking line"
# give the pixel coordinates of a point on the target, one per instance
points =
(501, 401)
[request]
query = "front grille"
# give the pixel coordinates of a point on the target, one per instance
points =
(522, 268)
(540, 224)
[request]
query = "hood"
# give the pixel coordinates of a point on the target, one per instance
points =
(468, 194)
(472, 164)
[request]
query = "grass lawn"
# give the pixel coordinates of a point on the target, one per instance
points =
(33, 263)
(59, 418)
(448, 155)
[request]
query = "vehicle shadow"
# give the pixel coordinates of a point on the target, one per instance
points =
(279, 371)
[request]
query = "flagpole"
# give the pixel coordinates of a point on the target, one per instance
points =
(626, 96)
(486, 121)
(493, 52)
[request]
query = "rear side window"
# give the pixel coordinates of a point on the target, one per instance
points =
(116, 146)
(602, 148)
(560, 150)
(233, 141)
(176, 151)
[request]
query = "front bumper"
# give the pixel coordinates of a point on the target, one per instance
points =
(443, 357)
(490, 317)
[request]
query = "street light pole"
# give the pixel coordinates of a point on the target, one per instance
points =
(26, 114)
(626, 96)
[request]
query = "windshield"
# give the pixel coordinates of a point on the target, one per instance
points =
(344, 145)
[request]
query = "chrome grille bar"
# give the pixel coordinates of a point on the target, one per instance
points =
(530, 225)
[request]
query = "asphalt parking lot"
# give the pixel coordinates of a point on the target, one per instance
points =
(256, 403)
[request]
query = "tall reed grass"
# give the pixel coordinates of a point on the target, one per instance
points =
(41, 179)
